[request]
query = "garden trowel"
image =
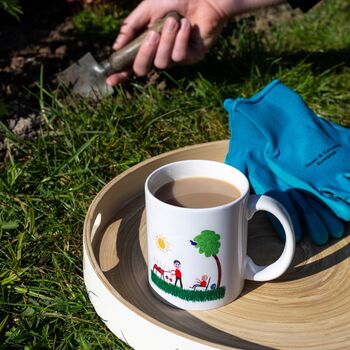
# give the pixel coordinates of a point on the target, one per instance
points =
(87, 77)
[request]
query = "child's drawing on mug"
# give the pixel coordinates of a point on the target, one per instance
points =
(162, 243)
(169, 279)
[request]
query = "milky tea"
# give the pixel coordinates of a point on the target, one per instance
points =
(197, 192)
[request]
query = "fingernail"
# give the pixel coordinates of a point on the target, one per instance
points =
(115, 45)
(170, 25)
(185, 23)
(152, 37)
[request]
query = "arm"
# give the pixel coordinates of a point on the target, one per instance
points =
(178, 43)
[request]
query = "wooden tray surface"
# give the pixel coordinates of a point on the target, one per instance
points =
(307, 308)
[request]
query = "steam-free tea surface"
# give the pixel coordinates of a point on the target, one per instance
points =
(197, 192)
(307, 308)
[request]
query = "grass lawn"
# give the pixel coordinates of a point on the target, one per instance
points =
(47, 185)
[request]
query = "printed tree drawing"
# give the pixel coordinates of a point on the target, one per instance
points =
(208, 243)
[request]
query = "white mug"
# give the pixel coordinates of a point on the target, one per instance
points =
(197, 257)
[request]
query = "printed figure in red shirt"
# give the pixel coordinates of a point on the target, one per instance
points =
(201, 282)
(177, 272)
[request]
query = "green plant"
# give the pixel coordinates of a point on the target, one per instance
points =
(3, 109)
(99, 22)
(12, 7)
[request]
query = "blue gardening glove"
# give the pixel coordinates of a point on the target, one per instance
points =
(307, 213)
(246, 152)
(306, 151)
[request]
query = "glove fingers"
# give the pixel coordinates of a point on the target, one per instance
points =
(338, 199)
(264, 183)
(334, 226)
(284, 199)
(340, 187)
(313, 225)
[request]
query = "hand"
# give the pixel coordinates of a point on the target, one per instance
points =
(182, 43)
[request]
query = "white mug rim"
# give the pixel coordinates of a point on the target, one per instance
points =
(243, 189)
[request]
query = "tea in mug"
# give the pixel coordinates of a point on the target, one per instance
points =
(197, 192)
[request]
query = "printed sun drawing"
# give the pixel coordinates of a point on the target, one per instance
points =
(162, 243)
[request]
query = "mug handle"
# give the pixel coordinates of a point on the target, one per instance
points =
(265, 273)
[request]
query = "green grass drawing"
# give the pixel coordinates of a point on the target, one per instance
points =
(187, 294)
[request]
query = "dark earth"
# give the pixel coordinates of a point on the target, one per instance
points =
(43, 37)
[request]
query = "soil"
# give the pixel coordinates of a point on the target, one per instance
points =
(44, 38)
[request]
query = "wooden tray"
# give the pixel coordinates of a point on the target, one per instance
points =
(308, 308)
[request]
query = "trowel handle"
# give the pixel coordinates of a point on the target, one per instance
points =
(124, 57)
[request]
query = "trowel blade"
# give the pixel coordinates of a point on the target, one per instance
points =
(86, 78)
